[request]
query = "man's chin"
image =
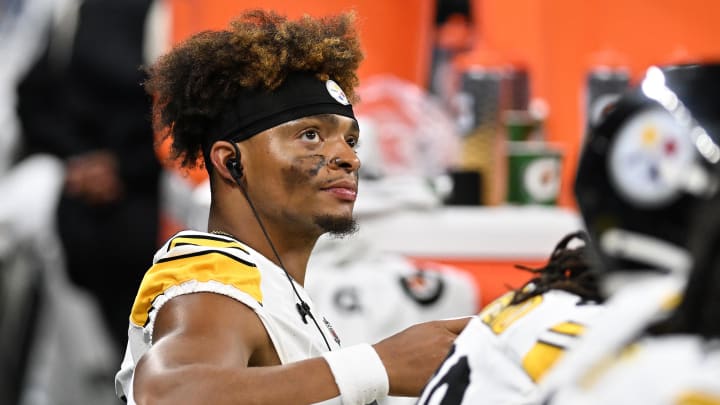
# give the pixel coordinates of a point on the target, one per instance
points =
(337, 227)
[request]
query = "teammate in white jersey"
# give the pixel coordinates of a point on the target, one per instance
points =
(648, 185)
(508, 347)
(222, 317)
(677, 362)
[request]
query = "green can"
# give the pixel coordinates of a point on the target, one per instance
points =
(534, 173)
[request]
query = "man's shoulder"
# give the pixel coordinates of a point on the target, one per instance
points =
(193, 262)
(190, 243)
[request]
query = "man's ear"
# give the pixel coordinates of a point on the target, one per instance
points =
(221, 153)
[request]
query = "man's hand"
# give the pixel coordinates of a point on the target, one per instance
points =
(412, 356)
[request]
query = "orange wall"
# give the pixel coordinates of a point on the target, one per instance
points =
(557, 39)
(492, 278)
(395, 34)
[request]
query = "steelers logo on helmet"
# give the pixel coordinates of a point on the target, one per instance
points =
(336, 92)
(650, 152)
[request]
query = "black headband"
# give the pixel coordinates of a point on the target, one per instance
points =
(300, 95)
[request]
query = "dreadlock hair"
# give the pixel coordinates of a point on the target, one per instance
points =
(197, 81)
(567, 269)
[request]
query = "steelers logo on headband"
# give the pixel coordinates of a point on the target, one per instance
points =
(336, 92)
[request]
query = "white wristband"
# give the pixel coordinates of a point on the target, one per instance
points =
(359, 374)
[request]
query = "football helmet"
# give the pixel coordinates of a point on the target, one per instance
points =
(648, 165)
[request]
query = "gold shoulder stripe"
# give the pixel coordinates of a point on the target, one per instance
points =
(205, 240)
(503, 317)
(540, 358)
(569, 328)
(201, 267)
(492, 309)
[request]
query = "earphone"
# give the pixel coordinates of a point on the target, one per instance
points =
(234, 166)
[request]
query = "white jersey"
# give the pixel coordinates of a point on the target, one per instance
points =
(505, 350)
(668, 370)
(642, 301)
(193, 262)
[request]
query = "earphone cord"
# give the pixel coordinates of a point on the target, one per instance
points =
(302, 307)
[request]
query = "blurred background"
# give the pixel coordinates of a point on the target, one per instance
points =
(472, 114)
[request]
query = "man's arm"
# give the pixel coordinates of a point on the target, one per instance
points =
(204, 343)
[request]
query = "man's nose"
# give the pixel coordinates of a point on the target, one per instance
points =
(344, 157)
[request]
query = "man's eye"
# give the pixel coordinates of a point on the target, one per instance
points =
(353, 142)
(311, 136)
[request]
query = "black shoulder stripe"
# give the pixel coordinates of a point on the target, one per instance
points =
(206, 252)
(545, 342)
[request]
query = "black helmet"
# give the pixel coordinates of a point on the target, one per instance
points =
(648, 165)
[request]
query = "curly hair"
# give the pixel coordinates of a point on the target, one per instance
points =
(197, 81)
(568, 269)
